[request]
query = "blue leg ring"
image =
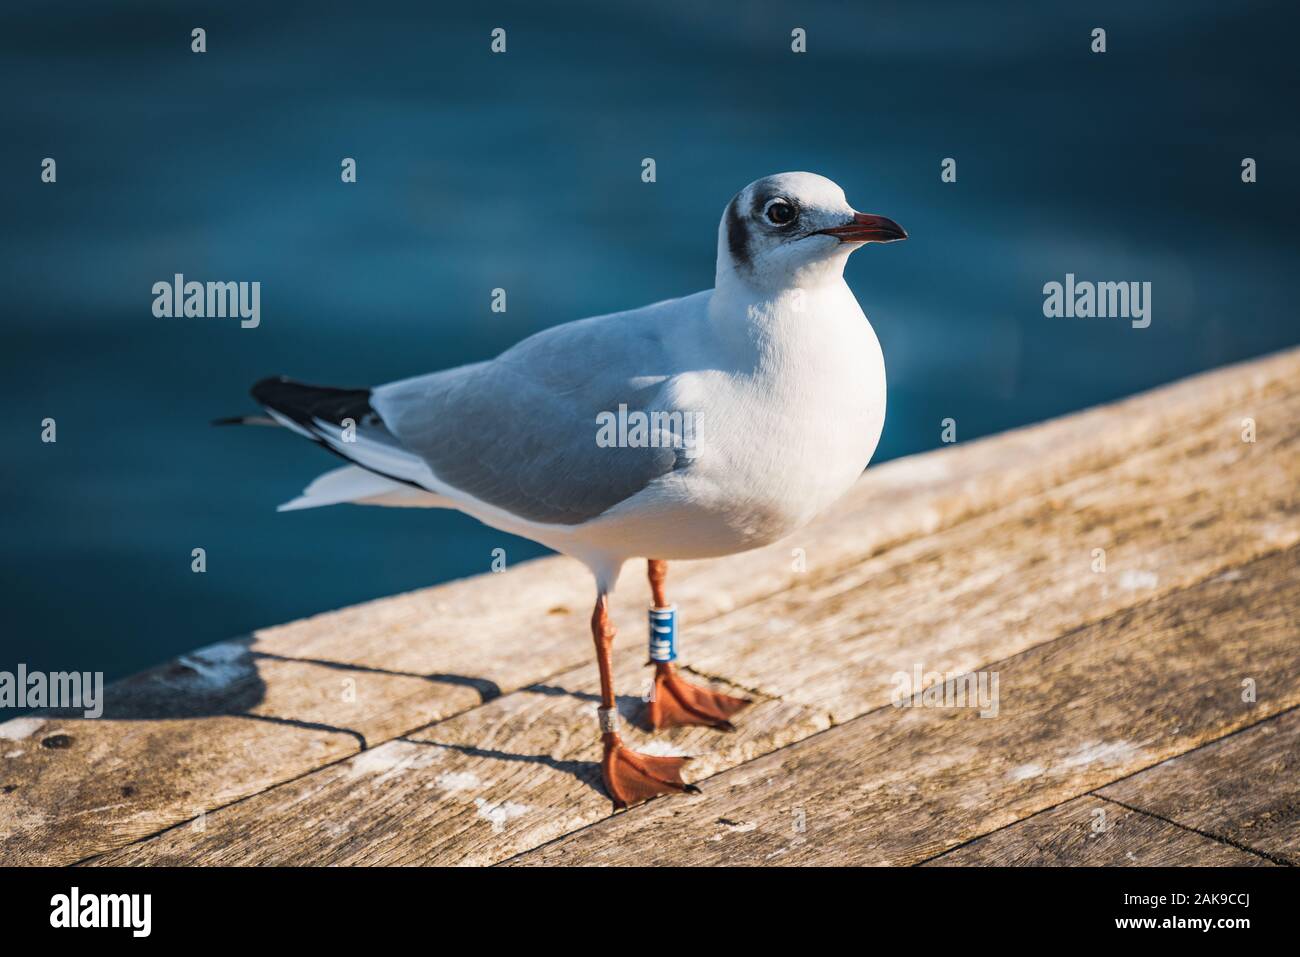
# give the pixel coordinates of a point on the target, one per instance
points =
(663, 633)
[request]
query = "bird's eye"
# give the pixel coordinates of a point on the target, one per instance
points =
(779, 212)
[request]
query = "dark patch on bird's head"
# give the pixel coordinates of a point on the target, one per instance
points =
(737, 233)
(745, 223)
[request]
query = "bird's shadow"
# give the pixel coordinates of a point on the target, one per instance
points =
(588, 772)
(631, 709)
(223, 680)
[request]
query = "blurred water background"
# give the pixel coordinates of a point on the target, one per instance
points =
(522, 171)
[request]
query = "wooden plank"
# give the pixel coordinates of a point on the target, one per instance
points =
(1091, 832)
(510, 775)
(1244, 789)
(168, 752)
(899, 786)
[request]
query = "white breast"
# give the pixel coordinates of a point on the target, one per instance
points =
(813, 416)
(777, 442)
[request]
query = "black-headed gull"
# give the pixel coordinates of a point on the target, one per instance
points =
(691, 428)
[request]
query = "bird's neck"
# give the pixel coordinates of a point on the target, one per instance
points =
(776, 327)
(777, 276)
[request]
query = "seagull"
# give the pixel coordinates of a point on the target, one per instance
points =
(692, 428)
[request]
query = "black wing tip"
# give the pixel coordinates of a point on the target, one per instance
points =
(304, 403)
(269, 387)
(280, 385)
(251, 419)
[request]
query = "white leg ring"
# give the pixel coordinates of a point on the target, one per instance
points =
(608, 719)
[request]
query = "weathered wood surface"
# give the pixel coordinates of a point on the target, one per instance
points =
(950, 560)
(899, 614)
(899, 786)
(472, 790)
(1091, 832)
(1244, 789)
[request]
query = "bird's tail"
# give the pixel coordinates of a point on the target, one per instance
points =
(353, 484)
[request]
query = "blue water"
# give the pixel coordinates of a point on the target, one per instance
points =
(522, 171)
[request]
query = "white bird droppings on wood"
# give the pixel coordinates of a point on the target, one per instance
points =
(1023, 772)
(18, 729)
(499, 813)
(1100, 752)
(1134, 579)
(389, 759)
(457, 781)
(663, 749)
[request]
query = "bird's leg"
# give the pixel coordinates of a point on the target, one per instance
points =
(673, 700)
(629, 777)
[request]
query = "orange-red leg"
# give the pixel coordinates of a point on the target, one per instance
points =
(629, 776)
(675, 701)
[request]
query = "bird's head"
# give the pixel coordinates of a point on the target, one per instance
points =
(794, 229)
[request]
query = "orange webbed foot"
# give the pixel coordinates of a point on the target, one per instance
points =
(675, 701)
(632, 777)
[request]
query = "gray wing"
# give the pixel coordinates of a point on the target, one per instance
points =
(520, 432)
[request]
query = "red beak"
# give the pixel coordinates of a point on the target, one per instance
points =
(867, 228)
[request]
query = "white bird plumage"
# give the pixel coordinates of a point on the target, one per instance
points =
(761, 400)
(779, 368)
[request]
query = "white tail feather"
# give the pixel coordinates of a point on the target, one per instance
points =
(352, 483)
